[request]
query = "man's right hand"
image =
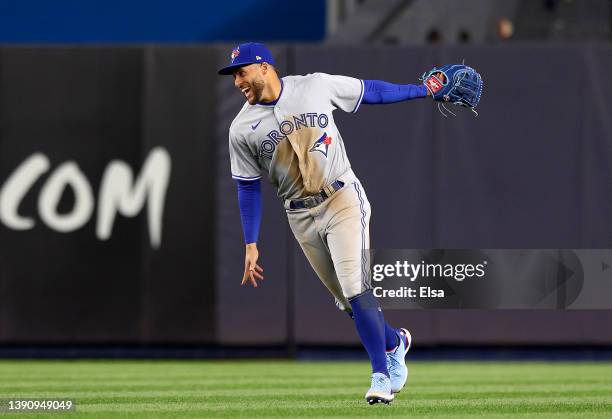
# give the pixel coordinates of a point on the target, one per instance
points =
(252, 271)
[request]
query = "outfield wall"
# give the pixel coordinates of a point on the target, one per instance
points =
(146, 246)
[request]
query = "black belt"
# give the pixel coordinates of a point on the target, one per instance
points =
(314, 200)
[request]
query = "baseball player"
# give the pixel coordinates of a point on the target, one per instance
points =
(286, 131)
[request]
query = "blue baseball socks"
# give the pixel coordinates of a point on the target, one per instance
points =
(376, 335)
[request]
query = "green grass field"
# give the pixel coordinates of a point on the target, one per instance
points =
(149, 389)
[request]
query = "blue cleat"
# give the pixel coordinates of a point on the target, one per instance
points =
(380, 391)
(396, 363)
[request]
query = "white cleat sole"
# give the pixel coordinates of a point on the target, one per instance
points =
(374, 398)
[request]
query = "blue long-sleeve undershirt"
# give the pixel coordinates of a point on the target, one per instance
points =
(381, 92)
(249, 201)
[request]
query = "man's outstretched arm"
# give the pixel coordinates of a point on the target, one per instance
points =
(381, 92)
(249, 201)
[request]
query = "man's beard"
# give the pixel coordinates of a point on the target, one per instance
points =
(258, 87)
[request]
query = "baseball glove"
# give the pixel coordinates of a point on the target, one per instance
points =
(454, 83)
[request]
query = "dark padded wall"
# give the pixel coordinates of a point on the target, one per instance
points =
(92, 106)
(180, 105)
(82, 106)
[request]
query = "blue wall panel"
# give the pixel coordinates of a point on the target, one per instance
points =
(135, 21)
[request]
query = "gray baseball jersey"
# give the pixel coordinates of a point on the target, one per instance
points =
(295, 140)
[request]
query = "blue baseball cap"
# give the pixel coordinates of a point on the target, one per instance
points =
(248, 53)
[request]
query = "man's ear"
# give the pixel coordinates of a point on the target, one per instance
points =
(264, 68)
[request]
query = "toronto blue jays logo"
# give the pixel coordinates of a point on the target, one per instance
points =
(322, 144)
(235, 53)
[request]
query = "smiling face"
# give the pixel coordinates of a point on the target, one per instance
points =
(251, 81)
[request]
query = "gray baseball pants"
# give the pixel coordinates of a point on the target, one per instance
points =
(333, 236)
